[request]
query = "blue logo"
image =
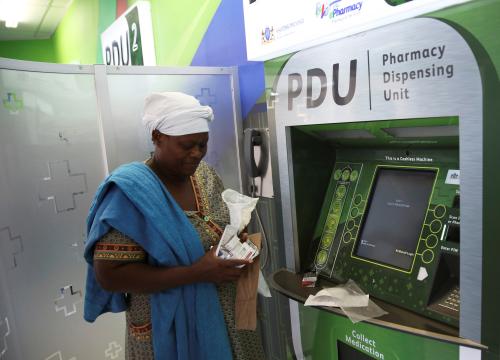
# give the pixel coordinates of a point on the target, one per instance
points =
(267, 34)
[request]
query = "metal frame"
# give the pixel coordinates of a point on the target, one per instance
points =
(101, 73)
(168, 70)
(33, 67)
(102, 89)
(22, 65)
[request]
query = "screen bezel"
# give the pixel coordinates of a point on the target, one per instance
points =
(368, 204)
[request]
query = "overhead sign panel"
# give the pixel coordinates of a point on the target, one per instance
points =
(277, 27)
(129, 40)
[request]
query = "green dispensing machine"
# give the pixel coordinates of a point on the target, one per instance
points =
(387, 151)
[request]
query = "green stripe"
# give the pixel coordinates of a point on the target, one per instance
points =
(107, 12)
(179, 28)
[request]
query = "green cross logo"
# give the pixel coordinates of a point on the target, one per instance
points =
(12, 103)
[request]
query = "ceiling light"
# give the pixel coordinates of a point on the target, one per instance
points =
(12, 11)
(11, 23)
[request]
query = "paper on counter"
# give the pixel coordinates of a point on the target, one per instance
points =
(337, 297)
(355, 304)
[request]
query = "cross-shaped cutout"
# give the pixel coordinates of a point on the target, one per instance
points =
(206, 98)
(68, 300)
(4, 332)
(58, 356)
(12, 247)
(62, 186)
(113, 350)
(12, 103)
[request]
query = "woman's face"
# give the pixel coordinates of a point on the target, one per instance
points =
(179, 155)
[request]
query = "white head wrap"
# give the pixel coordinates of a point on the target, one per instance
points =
(175, 113)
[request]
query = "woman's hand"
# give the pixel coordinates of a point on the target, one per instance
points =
(213, 269)
(243, 236)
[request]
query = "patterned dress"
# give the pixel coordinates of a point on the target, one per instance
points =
(209, 220)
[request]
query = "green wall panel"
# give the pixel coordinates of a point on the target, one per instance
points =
(107, 14)
(179, 27)
(75, 40)
(32, 50)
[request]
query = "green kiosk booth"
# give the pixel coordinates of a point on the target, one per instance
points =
(387, 148)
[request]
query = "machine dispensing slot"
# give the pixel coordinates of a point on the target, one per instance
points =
(453, 233)
(347, 352)
(456, 202)
(445, 294)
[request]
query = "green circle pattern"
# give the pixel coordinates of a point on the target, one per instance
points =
(331, 221)
(350, 224)
(337, 206)
(439, 211)
(346, 173)
(321, 257)
(326, 241)
(340, 192)
(347, 237)
(435, 226)
(427, 256)
(431, 241)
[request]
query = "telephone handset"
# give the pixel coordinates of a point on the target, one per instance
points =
(256, 158)
(254, 138)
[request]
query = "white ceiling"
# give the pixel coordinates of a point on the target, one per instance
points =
(40, 19)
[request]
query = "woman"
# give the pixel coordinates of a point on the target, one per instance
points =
(152, 231)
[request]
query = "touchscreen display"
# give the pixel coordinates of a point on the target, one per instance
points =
(394, 217)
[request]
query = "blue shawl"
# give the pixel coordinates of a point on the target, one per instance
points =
(187, 320)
